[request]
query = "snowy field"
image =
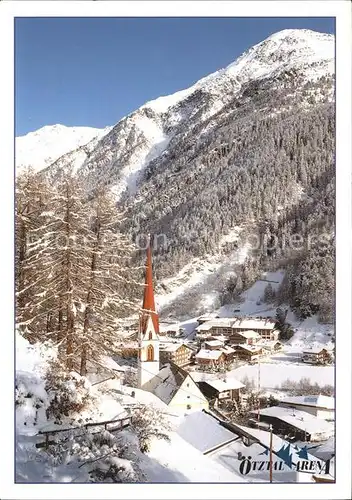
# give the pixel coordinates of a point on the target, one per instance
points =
(272, 375)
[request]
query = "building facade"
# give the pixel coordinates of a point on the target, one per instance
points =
(179, 354)
(316, 356)
(249, 354)
(221, 390)
(263, 328)
(210, 358)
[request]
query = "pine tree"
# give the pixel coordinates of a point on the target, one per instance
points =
(32, 199)
(109, 272)
(269, 293)
(56, 263)
(76, 272)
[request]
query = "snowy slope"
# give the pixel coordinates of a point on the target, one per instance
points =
(178, 461)
(144, 135)
(172, 461)
(41, 148)
(286, 49)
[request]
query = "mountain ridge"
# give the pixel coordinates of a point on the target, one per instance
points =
(248, 144)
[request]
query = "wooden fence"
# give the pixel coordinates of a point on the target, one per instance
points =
(110, 425)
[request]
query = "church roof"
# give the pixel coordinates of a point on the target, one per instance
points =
(148, 299)
(167, 382)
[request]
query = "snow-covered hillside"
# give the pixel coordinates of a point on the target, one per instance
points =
(174, 460)
(286, 49)
(145, 134)
(159, 160)
(43, 147)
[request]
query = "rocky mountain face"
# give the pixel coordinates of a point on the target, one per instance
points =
(246, 151)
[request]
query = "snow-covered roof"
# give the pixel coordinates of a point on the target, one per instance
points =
(179, 461)
(225, 385)
(110, 364)
(319, 401)
(227, 349)
(165, 327)
(172, 347)
(203, 431)
(221, 338)
(299, 419)
(254, 349)
(314, 350)
(249, 334)
(207, 354)
(236, 323)
(217, 323)
(252, 323)
(214, 343)
(140, 396)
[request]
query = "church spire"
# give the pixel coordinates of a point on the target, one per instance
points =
(148, 299)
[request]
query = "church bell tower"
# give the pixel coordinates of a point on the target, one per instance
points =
(148, 340)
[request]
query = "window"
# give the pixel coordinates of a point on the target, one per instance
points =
(150, 335)
(150, 353)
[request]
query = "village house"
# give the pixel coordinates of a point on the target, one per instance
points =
(248, 337)
(220, 338)
(265, 327)
(212, 345)
(180, 354)
(220, 326)
(231, 327)
(248, 353)
(296, 424)
(177, 389)
(316, 355)
(271, 346)
(229, 353)
(320, 406)
(210, 358)
(228, 389)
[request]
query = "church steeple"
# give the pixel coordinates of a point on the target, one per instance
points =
(148, 340)
(148, 308)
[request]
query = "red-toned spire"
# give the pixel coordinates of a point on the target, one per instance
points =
(148, 300)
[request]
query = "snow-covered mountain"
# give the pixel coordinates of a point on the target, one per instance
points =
(146, 133)
(43, 147)
(246, 144)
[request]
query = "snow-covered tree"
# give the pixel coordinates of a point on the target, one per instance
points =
(109, 271)
(76, 272)
(32, 195)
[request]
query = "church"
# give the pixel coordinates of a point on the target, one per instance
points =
(170, 383)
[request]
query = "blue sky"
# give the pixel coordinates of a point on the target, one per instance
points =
(94, 71)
